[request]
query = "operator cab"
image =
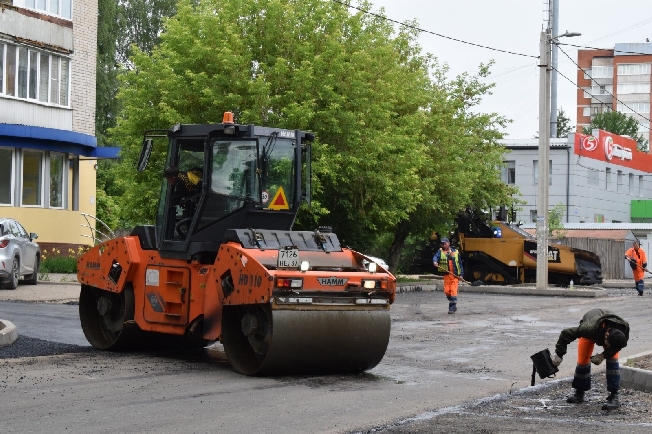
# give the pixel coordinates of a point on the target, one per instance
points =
(251, 177)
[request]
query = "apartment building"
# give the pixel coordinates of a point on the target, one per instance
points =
(617, 79)
(48, 149)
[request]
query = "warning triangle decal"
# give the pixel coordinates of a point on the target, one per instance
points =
(279, 201)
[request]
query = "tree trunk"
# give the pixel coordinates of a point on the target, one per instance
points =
(400, 235)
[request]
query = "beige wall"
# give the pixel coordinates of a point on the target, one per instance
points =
(84, 57)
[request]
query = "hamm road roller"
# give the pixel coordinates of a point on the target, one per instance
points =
(223, 263)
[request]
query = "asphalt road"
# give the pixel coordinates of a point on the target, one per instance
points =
(434, 363)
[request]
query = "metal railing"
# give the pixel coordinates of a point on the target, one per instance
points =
(97, 235)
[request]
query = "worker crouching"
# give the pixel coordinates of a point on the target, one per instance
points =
(605, 329)
(447, 260)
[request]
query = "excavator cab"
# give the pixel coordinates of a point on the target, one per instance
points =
(233, 176)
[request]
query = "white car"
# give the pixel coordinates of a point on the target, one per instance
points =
(20, 255)
(378, 261)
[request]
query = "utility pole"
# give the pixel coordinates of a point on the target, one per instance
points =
(553, 77)
(544, 146)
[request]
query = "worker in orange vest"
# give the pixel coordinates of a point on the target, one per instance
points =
(638, 261)
(447, 260)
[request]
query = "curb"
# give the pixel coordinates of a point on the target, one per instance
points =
(508, 290)
(635, 378)
(8, 333)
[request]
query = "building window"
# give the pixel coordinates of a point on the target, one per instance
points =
(61, 8)
(602, 72)
(602, 90)
(32, 178)
(508, 172)
(624, 88)
(638, 107)
(620, 188)
(29, 74)
(594, 177)
(6, 176)
(640, 185)
(56, 180)
(607, 178)
(634, 69)
(535, 172)
(533, 215)
(10, 71)
(630, 182)
(586, 111)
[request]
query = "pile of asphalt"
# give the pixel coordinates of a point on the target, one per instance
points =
(32, 347)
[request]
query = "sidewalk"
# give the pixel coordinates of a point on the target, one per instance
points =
(52, 288)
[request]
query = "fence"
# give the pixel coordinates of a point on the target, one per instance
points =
(610, 252)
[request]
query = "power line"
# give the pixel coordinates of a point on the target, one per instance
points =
(593, 80)
(429, 32)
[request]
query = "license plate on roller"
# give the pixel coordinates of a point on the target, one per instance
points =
(288, 258)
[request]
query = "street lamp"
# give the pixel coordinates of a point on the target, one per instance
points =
(544, 147)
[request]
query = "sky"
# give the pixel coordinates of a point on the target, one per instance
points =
(515, 25)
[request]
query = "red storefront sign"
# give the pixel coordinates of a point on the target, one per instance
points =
(614, 149)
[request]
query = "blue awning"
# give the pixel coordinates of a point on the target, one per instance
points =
(50, 139)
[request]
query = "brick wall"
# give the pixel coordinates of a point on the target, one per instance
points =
(84, 66)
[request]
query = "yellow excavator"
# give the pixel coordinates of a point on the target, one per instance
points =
(496, 252)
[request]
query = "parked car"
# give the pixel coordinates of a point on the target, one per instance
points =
(378, 261)
(20, 255)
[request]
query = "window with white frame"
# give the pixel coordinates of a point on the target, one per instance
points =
(56, 180)
(602, 90)
(634, 69)
(60, 8)
(533, 215)
(6, 176)
(626, 88)
(634, 107)
(602, 72)
(34, 75)
(586, 111)
(640, 185)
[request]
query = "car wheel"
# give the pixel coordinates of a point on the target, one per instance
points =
(13, 282)
(33, 280)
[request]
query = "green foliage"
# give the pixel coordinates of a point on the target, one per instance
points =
(617, 123)
(400, 147)
(54, 262)
(555, 222)
(563, 124)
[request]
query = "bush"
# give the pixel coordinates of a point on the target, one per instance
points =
(54, 262)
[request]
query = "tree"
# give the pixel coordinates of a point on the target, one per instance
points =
(618, 123)
(141, 24)
(555, 222)
(563, 124)
(120, 24)
(394, 136)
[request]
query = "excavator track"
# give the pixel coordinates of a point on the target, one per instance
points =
(266, 340)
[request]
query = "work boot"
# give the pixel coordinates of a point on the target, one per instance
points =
(640, 293)
(612, 402)
(576, 398)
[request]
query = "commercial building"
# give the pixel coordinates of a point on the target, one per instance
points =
(601, 178)
(48, 149)
(617, 79)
